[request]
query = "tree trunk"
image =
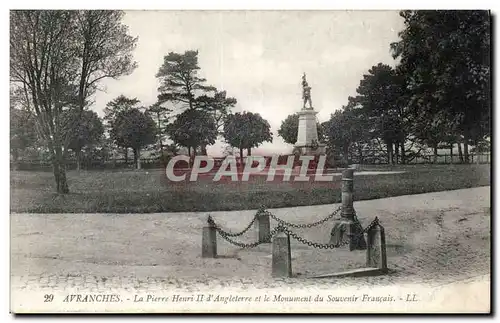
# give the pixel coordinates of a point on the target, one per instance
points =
(460, 155)
(360, 153)
(241, 157)
(435, 148)
(78, 162)
(159, 135)
(59, 169)
(204, 150)
(345, 154)
(125, 152)
(466, 148)
(451, 153)
(249, 151)
(397, 152)
(137, 153)
(390, 158)
(403, 153)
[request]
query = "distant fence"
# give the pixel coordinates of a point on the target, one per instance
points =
(431, 159)
(155, 163)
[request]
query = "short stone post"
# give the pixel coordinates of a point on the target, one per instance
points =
(282, 257)
(376, 252)
(263, 227)
(209, 239)
(345, 227)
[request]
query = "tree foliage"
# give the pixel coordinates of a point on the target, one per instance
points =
(381, 96)
(445, 55)
(246, 130)
(119, 104)
(345, 128)
(89, 130)
(181, 85)
(135, 129)
(179, 79)
(22, 131)
(193, 128)
(58, 58)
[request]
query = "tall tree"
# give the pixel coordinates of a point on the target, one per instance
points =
(179, 79)
(218, 106)
(446, 56)
(346, 128)
(181, 84)
(160, 114)
(119, 105)
(58, 58)
(246, 130)
(379, 94)
(135, 129)
(89, 131)
(193, 128)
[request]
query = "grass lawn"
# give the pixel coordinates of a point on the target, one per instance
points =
(149, 191)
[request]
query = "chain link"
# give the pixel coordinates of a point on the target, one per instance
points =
(283, 226)
(332, 246)
(229, 234)
(298, 226)
(247, 245)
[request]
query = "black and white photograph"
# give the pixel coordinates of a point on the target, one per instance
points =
(250, 161)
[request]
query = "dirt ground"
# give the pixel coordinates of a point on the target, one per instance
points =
(433, 238)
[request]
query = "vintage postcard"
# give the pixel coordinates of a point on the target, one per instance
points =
(329, 161)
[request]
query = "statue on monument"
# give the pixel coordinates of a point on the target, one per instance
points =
(306, 92)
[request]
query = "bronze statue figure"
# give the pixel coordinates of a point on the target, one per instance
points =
(306, 92)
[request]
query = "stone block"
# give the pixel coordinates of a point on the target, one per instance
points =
(209, 241)
(263, 226)
(282, 260)
(376, 251)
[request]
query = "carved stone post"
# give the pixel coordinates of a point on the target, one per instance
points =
(282, 257)
(346, 227)
(376, 251)
(209, 240)
(263, 227)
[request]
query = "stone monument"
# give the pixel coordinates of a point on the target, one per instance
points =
(307, 135)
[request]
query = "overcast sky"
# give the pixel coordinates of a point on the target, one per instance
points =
(258, 57)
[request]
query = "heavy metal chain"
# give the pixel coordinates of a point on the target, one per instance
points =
(310, 225)
(247, 245)
(327, 245)
(237, 234)
(283, 227)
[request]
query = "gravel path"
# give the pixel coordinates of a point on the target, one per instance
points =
(433, 239)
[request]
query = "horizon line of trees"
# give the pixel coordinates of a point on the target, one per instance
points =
(437, 95)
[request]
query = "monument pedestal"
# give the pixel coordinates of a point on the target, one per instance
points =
(307, 134)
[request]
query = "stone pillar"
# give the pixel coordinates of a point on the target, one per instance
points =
(263, 226)
(345, 227)
(347, 212)
(376, 252)
(209, 240)
(282, 257)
